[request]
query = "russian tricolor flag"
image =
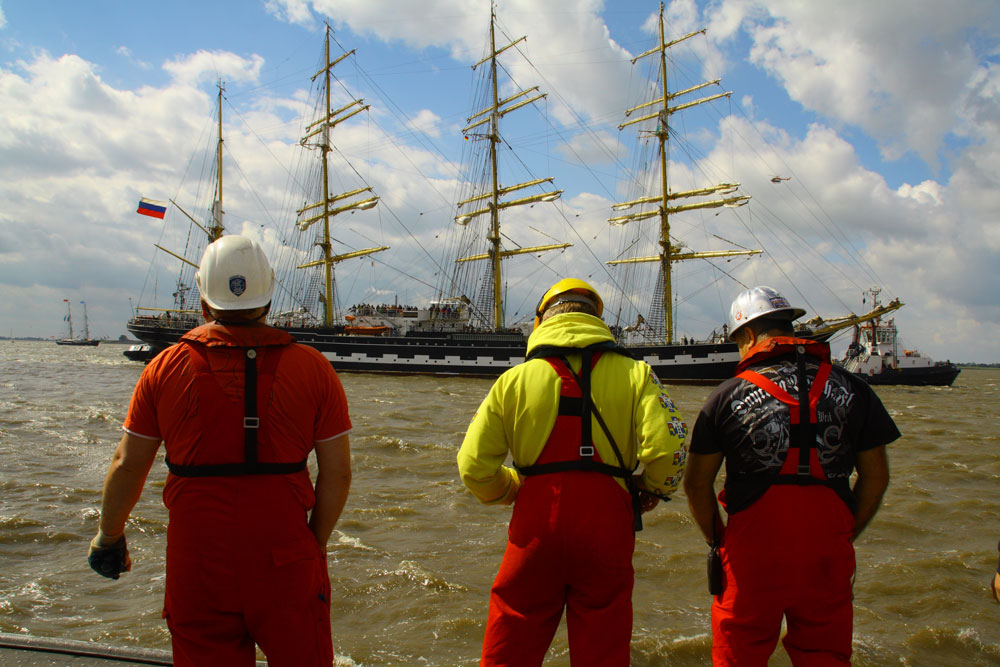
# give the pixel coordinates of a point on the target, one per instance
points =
(151, 207)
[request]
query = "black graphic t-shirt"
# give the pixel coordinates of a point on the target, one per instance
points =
(751, 428)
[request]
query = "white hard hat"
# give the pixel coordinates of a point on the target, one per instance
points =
(758, 302)
(235, 275)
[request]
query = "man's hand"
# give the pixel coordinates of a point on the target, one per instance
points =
(515, 486)
(647, 501)
(109, 557)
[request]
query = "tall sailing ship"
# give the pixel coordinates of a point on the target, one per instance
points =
(73, 340)
(464, 330)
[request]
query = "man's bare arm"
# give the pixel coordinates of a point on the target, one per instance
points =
(333, 483)
(699, 486)
(873, 479)
(123, 484)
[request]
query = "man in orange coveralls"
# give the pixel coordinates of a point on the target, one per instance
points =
(787, 549)
(578, 416)
(239, 406)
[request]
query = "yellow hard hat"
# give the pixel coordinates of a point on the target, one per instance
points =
(567, 286)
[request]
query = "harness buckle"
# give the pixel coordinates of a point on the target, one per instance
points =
(804, 469)
(586, 450)
(251, 422)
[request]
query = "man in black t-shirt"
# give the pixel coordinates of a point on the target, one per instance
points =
(787, 548)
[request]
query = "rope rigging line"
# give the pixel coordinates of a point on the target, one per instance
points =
(830, 227)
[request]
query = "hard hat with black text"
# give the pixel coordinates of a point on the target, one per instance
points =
(758, 302)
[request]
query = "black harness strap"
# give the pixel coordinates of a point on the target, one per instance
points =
(545, 351)
(251, 422)
(587, 407)
(806, 431)
(236, 469)
(633, 488)
(803, 434)
(574, 466)
(251, 427)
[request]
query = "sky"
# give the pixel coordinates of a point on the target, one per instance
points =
(883, 117)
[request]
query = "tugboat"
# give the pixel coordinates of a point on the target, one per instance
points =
(877, 355)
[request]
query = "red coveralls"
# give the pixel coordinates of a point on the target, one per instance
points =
(570, 544)
(242, 565)
(788, 554)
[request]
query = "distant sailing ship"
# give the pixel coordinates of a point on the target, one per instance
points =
(463, 331)
(70, 339)
(876, 354)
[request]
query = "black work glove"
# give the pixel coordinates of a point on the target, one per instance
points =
(111, 560)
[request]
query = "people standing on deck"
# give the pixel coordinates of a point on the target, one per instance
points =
(578, 416)
(240, 407)
(787, 548)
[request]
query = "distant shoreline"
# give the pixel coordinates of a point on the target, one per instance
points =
(104, 341)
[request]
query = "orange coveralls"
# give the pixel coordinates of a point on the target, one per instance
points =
(242, 565)
(570, 544)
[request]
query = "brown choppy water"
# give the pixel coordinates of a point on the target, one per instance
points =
(414, 555)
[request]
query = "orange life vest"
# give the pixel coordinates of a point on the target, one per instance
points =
(229, 441)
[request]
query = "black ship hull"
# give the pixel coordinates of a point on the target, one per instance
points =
(462, 354)
(939, 375)
(89, 342)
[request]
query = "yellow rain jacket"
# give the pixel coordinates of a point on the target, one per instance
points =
(520, 410)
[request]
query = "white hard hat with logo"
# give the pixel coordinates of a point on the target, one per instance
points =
(235, 275)
(759, 302)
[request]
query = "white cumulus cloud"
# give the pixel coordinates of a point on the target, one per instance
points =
(212, 65)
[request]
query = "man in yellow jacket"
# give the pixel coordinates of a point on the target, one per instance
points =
(578, 417)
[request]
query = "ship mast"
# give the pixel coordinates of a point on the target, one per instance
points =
(213, 231)
(664, 206)
(86, 325)
(69, 318)
(491, 116)
(217, 228)
(329, 206)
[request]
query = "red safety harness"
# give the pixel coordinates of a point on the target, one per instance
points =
(803, 468)
(570, 445)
